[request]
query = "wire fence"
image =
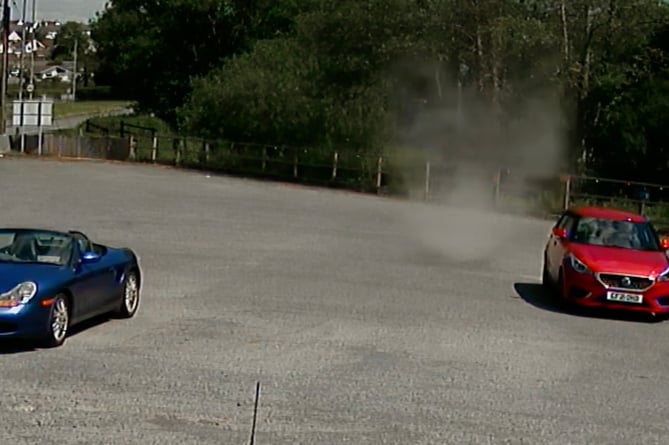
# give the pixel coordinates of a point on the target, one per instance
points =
(646, 198)
(415, 177)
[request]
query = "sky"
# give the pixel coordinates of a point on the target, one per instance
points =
(63, 10)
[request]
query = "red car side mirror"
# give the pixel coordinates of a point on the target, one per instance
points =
(560, 232)
(664, 242)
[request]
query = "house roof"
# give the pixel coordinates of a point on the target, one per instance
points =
(58, 68)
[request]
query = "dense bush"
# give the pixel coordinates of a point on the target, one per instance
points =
(103, 92)
(503, 81)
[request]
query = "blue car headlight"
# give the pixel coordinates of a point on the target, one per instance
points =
(578, 265)
(19, 294)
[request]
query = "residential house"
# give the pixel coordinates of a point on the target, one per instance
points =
(24, 49)
(30, 44)
(55, 73)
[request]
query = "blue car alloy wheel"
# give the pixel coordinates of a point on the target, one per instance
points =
(130, 302)
(59, 321)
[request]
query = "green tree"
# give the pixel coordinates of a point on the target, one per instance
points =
(64, 44)
(627, 110)
(70, 36)
(322, 87)
(263, 96)
(346, 73)
(152, 50)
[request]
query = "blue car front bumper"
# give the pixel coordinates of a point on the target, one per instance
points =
(24, 321)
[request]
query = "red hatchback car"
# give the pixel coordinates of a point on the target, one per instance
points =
(608, 258)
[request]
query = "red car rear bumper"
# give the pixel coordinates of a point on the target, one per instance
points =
(586, 289)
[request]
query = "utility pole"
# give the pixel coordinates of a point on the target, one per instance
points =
(5, 62)
(32, 52)
(74, 75)
(23, 49)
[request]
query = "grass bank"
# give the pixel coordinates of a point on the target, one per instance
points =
(65, 109)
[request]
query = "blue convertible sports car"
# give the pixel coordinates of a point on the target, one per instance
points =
(51, 280)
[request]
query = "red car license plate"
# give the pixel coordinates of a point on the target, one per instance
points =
(624, 297)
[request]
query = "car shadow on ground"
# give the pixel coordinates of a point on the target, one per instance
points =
(22, 346)
(540, 297)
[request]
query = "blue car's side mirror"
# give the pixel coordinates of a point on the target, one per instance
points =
(89, 257)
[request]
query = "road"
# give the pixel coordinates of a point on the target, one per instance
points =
(366, 320)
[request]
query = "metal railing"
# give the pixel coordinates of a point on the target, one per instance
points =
(414, 177)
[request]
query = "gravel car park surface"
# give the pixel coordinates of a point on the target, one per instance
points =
(366, 320)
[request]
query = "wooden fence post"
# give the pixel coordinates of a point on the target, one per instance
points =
(295, 163)
(567, 192)
(80, 140)
(379, 172)
(133, 148)
(334, 165)
(644, 196)
(498, 186)
(154, 147)
(264, 157)
(205, 152)
(177, 151)
(40, 142)
(427, 181)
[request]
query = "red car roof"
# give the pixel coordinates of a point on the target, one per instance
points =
(608, 213)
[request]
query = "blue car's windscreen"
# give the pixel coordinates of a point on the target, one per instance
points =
(33, 246)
